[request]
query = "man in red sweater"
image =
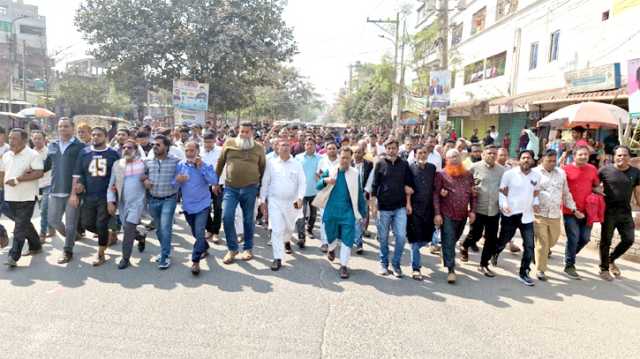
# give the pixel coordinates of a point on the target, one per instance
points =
(453, 203)
(582, 178)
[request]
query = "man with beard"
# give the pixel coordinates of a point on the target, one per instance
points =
(281, 194)
(453, 203)
(194, 177)
(474, 156)
(420, 224)
(503, 160)
(392, 181)
(126, 188)
(486, 177)
(245, 163)
(341, 197)
(620, 181)
(162, 195)
(518, 201)
(92, 172)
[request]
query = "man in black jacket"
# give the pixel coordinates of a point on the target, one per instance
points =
(364, 168)
(61, 160)
(392, 183)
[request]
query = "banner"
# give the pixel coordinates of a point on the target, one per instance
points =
(189, 118)
(190, 95)
(439, 86)
(633, 88)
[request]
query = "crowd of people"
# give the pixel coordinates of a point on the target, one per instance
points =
(425, 189)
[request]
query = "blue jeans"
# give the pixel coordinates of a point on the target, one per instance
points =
(198, 222)
(578, 235)
(415, 255)
(163, 211)
(44, 209)
(359, 230)
(451, 231)
(397, 220)
(246, 197)
(508, 227)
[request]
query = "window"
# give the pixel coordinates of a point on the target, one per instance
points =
(505, 7)
(533, 56)
(456, 34)
(478, 20)
(605, 15)
(31, 30)
(495, 65)
(474, 72)
(554, 47)
(3, 10)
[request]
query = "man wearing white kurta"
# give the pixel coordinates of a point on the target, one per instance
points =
(283, 188)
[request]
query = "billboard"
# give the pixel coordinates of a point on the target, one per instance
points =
(439, 86)
(620, 6)
(599, 78)
(190, 95)
(633, 88)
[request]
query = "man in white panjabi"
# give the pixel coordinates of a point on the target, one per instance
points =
(281, 194)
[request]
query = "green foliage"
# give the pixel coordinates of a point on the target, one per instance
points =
(230, 44)
(81, 95)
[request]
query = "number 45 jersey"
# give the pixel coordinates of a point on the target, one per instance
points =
(93, 168)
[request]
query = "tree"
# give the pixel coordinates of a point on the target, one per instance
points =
(83, 95)
(230, 44)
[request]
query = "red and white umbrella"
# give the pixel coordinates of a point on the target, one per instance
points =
(587, 114)
(37, 112)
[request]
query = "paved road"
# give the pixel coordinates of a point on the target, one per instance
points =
(305, 311)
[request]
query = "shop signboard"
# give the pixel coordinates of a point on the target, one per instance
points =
(633, 88)
(599, 78)
(439, 86)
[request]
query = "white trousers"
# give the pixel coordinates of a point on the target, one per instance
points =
(282, 220)
(345, 252)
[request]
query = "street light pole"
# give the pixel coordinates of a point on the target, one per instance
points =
(396, 22)
(12, 43)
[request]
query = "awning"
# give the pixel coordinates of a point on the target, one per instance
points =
(608, 95)
(522, 102)
(467, 108)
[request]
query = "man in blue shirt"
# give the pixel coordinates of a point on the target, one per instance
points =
(310, 162)
(194, 178)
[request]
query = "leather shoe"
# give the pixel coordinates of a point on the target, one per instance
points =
(66, 258)
(195, 268)
(277, 264)
(331, 256)
(344, 272)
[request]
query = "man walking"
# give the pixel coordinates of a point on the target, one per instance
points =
(160, 174)
(453, 203)
(20, 169)
(341, 197)
(327, 162)
(39, 140)
(554, 193)
(61, 160)
(583, 180)
(420, 213)
(486, 178)
(210, 156)
(92, 173)
(283, 188)
(392, 181)
(126, 188)
(245, 162)
(310, 161)
(194, 177)
(620, 181)
(518, 197)
(364, 168)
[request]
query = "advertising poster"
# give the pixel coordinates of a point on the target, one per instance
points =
(190, 95)
(633, 88)
(439, 86)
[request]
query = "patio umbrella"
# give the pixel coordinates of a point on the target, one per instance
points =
(587, 114)
(37, 112)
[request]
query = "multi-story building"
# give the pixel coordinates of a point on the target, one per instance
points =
(512, 61)
(23, 47)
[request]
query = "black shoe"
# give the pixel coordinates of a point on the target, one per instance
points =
(66, 258)
(276, 265)
(123, 264)
(474, 248)
(397, 272)
(331, 256)
(324, 248)
(344, 272)
(301, 243)
(195, 268)
(494, 260)
(486, 271)
(359, 249)
(287, 248)
(142, 243)
(464, 254)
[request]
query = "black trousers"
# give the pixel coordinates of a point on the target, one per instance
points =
(488, 225)
(309, 217)
(622, 221)
(21, 213)
(95, 218)
(213, 225)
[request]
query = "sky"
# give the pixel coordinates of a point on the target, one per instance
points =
(331, 35)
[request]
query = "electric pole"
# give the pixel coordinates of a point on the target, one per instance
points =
(395, 88)
(444, 34)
